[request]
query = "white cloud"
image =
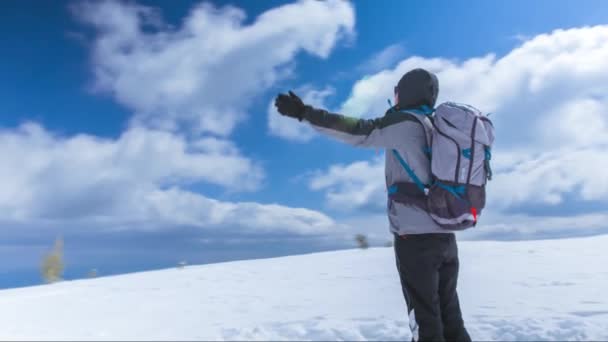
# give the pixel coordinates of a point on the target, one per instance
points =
(552, 78)
(133, 182)
(521, 38)
(386, 58)
(579, 122)
(546, 178)
(188, 87)
(548, 96)
(510, 226)
(203, 74)
(291, 129)
(368, 96)
(352, 186)
(41, 170)
(182, 208)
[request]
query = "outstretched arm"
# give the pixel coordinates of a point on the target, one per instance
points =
(388, 131)
(383, 132)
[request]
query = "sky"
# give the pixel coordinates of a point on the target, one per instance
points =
(143, 132)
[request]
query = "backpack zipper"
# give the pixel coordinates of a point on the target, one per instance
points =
(472, 159)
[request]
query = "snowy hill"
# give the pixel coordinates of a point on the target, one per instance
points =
(554, 290)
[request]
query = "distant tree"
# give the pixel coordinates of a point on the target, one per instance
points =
(362, 241)
(52, 264)
(181, 264)
(388, 243)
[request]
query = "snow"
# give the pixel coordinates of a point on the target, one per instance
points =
(531, 290)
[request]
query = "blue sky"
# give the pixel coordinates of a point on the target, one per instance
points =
(142, 132)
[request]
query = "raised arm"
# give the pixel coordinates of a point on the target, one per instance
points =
(388, 131)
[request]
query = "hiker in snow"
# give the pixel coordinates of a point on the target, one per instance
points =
(437, 164)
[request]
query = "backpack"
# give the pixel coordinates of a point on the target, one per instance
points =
(459, 147)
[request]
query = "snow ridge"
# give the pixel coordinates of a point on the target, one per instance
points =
(531, 290)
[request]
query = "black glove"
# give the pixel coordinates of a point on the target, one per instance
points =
(290, 105)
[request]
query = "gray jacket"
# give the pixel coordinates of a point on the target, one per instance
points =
(392, 131)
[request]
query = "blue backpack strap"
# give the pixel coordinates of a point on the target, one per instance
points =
(488, 157)
(428, 151)
(409, 171)
(393, 189)
(425, 111)
(457, 190)
(422, 110)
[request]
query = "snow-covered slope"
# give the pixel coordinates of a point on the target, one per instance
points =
(509, 291)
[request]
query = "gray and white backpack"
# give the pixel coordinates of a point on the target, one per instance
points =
(460, 142)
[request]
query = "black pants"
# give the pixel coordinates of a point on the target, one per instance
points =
(428, 269)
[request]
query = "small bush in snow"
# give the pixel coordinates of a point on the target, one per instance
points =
(181, 264)
(362, 241)
(52, 264)
(92, 273)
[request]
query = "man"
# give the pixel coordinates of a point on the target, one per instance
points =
(426, 254)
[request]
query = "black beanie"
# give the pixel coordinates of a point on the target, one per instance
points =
(416, 88)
